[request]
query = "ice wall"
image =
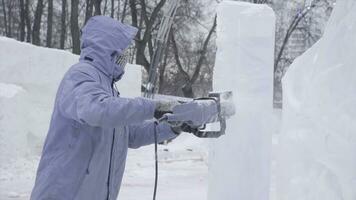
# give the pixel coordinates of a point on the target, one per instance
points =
(317, 151)
(239, 162)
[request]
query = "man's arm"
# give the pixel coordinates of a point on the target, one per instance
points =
(84, 99)
(143, 134)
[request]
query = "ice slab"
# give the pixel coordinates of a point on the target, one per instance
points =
(239, 162)
(317, 151)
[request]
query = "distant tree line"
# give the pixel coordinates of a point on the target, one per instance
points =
(187, 64)
(191, 47)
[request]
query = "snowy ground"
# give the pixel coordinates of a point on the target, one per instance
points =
(182, 173)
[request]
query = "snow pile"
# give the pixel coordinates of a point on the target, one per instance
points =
(317, 150)
(29, 77)
(239, 162)
(9, 90)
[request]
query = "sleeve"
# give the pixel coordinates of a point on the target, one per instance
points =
(143, 134)
(85, 100)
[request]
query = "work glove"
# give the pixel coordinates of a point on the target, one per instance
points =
(190, 117)
(163, 107)
(178, 129)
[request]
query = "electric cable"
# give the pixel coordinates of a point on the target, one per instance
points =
(156, 160)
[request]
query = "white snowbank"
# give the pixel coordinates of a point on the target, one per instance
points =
(317, 149)
(29, 77)
(239, 162)
(9, 90)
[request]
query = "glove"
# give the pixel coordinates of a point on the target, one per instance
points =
(184, 128)
(163, 107)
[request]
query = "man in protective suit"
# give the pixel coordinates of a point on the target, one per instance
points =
(92, 127)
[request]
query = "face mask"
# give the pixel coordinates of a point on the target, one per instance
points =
(123, 58)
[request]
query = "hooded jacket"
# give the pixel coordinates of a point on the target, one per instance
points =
(91, 128)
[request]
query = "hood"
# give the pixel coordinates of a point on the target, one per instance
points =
(103, 38)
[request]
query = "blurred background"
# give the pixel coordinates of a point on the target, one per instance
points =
(187, 64)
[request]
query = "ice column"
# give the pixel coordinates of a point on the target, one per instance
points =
(239, 162)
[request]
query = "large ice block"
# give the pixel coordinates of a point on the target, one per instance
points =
(317, 151)
(239, 162)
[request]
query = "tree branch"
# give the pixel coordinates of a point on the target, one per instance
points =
(202, 53)
(151, 21)
(176, 57)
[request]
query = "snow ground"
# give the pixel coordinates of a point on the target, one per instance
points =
(182, 173)
(27, 88)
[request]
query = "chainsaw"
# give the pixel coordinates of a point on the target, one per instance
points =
(204, 117)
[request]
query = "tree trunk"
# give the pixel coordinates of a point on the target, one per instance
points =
(97, 5)
(28, 20)
(149, 22)
(63, 24)
(139, 44)
(89, 9)
(36, 40)
(9, 18)
(105, 6)
(113, 8)
(123, 11)
(292, 27)
(187, 89)
(49, 23)
(74, 27)
(5, 18)
(22, 20)
(162, 69)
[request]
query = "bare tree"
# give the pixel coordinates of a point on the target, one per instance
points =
(63, 24)
(89, 9)
(5, 18)
(113, 8)
(97, 5)
(190, 80)
(36, 40)
(10, 5)
(123, 15)
(163, 66)
(105, 7)
(292, 27)
(28, 20)
(295, 36)
(22, 20)
(74, 26)
(49, 23)
(144, 36)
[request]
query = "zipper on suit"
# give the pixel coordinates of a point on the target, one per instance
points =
(111, 151)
